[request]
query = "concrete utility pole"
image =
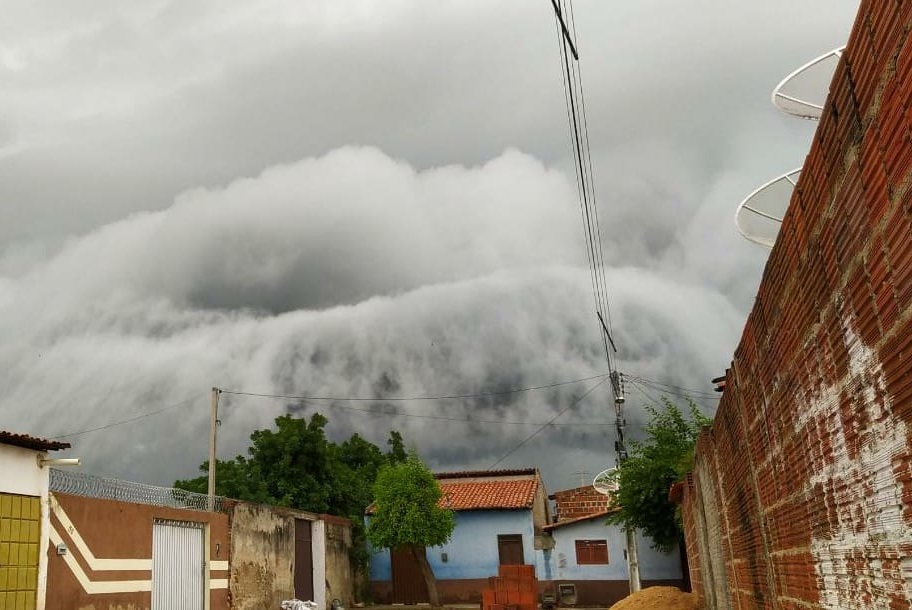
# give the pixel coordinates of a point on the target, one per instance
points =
(620, 446)
(213, 426)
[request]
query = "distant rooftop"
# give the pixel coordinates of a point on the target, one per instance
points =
(31, 442)
(478, 474)
(486, 489)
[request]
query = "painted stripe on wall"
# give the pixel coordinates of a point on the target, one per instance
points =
(95, 588)
(95, 564)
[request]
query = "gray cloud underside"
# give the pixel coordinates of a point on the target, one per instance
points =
(329, 199)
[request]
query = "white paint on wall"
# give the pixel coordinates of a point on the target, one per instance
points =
(318, 536)
(21, 474)
(867, 494)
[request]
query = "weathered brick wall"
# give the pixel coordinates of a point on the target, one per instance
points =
(801, 495)
(578, 502)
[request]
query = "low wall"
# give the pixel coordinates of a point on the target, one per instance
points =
(107, 562)
(263, 556)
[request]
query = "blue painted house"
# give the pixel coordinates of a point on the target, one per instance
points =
(504, 517)
(592, 556)
(500, 519)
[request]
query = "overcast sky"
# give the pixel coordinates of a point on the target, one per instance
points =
(358, 198)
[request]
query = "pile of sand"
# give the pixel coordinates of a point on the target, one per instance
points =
(658, 598)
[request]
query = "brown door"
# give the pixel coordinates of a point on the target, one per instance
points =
(408, 583)
(510, 550)
(303, 566)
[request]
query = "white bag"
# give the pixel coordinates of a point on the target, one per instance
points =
(296, 604)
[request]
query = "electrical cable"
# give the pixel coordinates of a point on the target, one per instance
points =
(588, 149)
(659, 385)
(414, 398)
(464, 420)
(577, 168)
(546, 424)
(582, 158)
(132, 419)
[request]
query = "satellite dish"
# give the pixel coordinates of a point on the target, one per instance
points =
(606, 482)
(803, 92)
(759, 216)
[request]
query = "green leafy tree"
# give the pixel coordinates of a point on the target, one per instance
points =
(293, 464)
(653, 466)
(397, 453)
(407, 514)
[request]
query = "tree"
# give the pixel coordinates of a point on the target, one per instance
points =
(407, 514)
(654, 465)
(295, 465)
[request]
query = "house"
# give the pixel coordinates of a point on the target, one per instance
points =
(592, 556)
(500, 520)
(24, 518)
(124, 544)
(72, 540)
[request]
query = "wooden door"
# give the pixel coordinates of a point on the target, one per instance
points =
(510, 549)
(408, 583)
(303, 566)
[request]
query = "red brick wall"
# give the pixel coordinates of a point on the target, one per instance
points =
(801, 495)
(578, 502)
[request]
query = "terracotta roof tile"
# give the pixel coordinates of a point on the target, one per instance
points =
(486, 489)
(472, 474)
(490, 494)
(31, 442)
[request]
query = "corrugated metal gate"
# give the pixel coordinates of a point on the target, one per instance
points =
(178, 565)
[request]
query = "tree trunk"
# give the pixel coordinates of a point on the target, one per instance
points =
(430, 580)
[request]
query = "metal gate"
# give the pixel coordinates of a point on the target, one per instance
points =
(20, 520)
(178, 565)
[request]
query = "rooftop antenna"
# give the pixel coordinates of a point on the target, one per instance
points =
(801, 94)
(606, 482)
(759, 216)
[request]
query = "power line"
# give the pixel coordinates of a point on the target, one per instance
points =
(463, 420)
(132, 419)
(674, 389)
(413, 398)
(546, 424)
(582, 158)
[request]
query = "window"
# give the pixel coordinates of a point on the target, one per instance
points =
(591, 552)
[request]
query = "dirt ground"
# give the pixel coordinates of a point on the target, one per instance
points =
(658, 598)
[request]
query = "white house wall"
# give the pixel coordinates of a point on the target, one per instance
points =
(560, 562)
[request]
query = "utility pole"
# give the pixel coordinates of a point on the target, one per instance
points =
(213, 426)
(620, 447)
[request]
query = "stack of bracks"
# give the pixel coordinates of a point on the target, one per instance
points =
(514, 588)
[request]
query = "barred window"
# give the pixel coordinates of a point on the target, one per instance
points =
(591, 552)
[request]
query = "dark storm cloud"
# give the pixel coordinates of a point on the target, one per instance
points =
(314, 198)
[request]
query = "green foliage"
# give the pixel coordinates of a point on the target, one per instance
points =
(397, 453)
(652, 467)
(406, 513)
(295, 465)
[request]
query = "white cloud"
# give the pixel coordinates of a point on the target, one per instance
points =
(325, 277)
